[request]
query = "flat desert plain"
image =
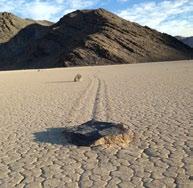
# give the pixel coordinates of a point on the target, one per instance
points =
(155, 100)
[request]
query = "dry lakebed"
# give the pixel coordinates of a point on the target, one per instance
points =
(154, 100)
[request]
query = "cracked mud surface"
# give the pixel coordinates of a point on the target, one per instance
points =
(154, 100)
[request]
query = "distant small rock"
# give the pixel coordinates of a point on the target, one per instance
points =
(78, 78)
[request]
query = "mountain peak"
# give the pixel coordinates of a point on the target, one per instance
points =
(8, 15)
(90, 15)
(89, 11)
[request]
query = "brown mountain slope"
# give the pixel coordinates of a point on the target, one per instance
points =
(10, 25)
(89, 37)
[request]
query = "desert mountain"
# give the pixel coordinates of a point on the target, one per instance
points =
(186, 40)
(88, 37)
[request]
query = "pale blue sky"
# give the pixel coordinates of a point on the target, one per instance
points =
(170, 16)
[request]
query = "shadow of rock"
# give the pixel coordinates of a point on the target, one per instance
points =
(59, 82)
(52, 136)
(91, 133)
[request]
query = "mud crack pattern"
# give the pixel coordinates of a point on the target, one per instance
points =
(154, 100)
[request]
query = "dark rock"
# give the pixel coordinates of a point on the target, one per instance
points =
(191, 178)
(150, 152)
(78, 78)
(93, 133)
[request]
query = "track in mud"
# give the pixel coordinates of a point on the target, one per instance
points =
(92, 103)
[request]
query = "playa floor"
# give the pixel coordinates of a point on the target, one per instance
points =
(155, 100)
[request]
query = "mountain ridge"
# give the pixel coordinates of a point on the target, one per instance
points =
(89, 37)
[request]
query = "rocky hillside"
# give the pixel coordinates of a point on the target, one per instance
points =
(89, 37)
(10, 25)
(186, 40)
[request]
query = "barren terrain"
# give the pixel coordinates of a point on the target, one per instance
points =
(154, 99)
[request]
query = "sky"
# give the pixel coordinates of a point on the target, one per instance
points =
(174, 17)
